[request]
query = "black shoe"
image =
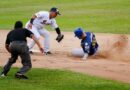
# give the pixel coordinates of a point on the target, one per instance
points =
(20, 76)
(31, 52)
(47, 53)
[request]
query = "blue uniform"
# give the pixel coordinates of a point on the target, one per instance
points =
(89, 43)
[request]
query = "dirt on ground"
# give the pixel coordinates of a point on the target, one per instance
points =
(112, 60)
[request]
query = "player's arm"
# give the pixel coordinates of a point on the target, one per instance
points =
(58, 31)
(31, 21)
(31, 35)
(60, 36)
(37, 15)
(37, 42)
(85, 47)
(85, 56)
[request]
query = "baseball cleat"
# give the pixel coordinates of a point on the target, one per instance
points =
(31, 52)
(47, 53)
(20, 76)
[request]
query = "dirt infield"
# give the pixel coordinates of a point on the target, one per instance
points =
(112, 60)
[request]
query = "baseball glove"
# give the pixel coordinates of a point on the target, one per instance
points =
(59, 38)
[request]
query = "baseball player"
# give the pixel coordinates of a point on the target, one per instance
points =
(16, 45)
(37, 25)
(88, 43)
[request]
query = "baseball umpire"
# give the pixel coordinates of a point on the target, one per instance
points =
(16, 44)
(37, 25)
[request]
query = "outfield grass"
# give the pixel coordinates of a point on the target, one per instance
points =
(109, 16)
(45, 79)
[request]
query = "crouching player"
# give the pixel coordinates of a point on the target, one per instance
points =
(88, 43)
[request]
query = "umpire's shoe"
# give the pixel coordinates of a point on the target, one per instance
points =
(20, 76)
(2, 75)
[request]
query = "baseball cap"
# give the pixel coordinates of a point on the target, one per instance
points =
(54, 9)
(78, 32)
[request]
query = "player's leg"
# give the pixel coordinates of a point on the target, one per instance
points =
(78, 52)
(46, 42)
(37, 35)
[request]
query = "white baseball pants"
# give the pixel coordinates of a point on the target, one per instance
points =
(40, 32)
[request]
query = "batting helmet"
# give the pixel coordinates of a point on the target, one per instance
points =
(78, 33)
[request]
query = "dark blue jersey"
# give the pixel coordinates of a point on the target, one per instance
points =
(89, 43)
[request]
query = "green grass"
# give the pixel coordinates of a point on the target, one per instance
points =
(46, 79)
(106, 16)
(109, 16)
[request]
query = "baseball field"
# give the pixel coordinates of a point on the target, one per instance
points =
(108, 70)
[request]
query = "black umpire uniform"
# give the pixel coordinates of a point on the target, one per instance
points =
(16, 44)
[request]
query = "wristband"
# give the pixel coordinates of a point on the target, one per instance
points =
(31, 21)
(58, 30)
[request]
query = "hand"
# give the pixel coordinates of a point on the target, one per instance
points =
(42, 50)
(30, 26)
(59, 37)
(84, 58)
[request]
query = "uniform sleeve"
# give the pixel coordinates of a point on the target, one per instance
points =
(54, 24)
(7, 40)
(39, 14)
(28, 33)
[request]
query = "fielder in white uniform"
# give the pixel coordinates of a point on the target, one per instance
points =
(37, 26)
